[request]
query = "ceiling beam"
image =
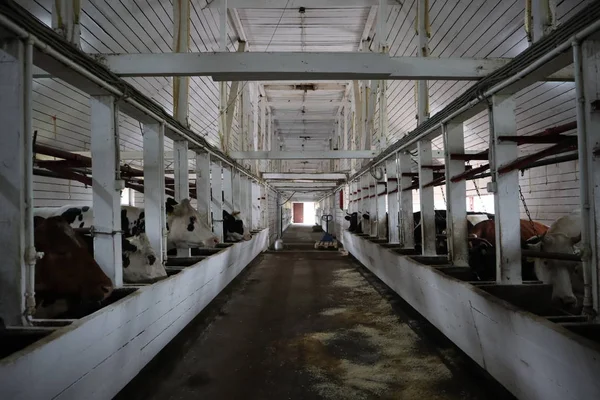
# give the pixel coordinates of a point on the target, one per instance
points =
(291, 4)
(251, 66)
(303, 155)
(304, 184)
(295, 117)
(317, 86)
(308, 102)
(300, 175)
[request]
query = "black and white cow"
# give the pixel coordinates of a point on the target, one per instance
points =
(234, 228)
(138, 256)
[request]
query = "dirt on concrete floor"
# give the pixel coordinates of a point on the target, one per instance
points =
(310, 325)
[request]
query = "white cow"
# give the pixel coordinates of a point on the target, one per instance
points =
(562, 237)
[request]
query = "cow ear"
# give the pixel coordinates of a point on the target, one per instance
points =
(576, 239)
(535, 246)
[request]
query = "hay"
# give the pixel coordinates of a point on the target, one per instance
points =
(399, 369)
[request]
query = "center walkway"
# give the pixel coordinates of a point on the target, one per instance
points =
(309, 324)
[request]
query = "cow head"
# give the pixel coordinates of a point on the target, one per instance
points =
(245, 231)
(556, 272)
(187, 228)
(142, 263)
(67, 269)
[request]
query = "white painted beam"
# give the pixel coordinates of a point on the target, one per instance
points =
(307, 65)
(322, 185)
(391, 175)
(227, 190)
(106, 197)
(203, 185)
(182, 179)
(503, 122)
(216, 207)
(407, 220)
(315, 176)
(366, 35)
(317, 4)
(587, 56)
(456, 220)
(303, 155)
(13, 191)
(307, 117)
(426, 198)
(154, 189)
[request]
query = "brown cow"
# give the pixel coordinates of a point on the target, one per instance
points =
(487, 230)
(482, 239)
(67, 270)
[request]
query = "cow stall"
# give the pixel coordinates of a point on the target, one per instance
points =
(53, 180)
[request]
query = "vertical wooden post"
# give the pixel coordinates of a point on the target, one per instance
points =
(106, 186)
(426, 198)
(182, 182)
(227, 189)
(505, 186)
(391, 174)
(154, 188)
(216, 185)
(381, 191)
(456, 220)
(13, 269)
(203, 186)
(407, 220)
(588, 93)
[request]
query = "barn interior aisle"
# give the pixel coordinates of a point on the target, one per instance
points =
(304, 324)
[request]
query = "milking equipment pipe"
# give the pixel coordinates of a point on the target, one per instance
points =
(584, 192)
(27, 164)
(23, 34)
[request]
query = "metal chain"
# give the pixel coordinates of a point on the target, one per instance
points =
(527, 211)
(479, 195)
(444, 197)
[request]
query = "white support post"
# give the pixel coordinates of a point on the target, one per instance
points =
(231, 101)
(544, 18)
(264, 205)
(373, 204)
(381, 208)
(364, 201)
(391, 174)
(426, 198)
(203, 186)
(182, 182)
(236, 180)
(223, 26)
(383, 115)
(154, 189)
(423, 51)
(587, 73)
(456, 220)
(256, 205)
(65, 20)
(14, 193)
(216, 185)
(505, 186)
(247, 200)
(263, 130)
(227, 189)
(407, 220)
(106, 187)
(181, 84)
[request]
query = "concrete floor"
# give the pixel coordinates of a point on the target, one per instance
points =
(310, 325)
